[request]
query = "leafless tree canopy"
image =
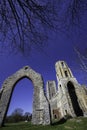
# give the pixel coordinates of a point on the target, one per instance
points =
(24, 23)
(82, 58)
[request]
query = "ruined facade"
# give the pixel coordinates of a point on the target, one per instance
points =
(40, 114)
(69, 98)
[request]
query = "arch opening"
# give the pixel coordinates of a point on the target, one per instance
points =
(21, 98)
(74, 99)
(40, 114)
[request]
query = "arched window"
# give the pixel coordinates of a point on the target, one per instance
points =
(66, 74)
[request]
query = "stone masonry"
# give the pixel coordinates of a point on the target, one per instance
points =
(40, 113)
(68, 99)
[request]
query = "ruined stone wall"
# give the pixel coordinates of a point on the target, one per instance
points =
(53, 105)
(82, 99)
(57, 104)
(51, 89)
(40, 113)
(66, 103)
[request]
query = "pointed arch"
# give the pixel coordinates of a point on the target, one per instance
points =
(74, 99)
(40, 113)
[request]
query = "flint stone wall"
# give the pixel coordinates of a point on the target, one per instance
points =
(40, 113)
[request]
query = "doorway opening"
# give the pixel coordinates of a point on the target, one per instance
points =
(74, 99)
(20, 106)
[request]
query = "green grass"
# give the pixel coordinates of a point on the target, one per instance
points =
(71, 124)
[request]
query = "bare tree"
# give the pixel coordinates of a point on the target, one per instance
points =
(24, 23)
(28, 116)
(77, 16)
(17, 111)
(82, 58)
(17, 115)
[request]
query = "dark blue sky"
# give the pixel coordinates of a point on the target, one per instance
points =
(58, 47)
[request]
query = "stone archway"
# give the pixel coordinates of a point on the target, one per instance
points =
(41, 114)
(74, 99)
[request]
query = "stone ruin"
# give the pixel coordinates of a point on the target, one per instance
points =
(40, 113)
(70, 99)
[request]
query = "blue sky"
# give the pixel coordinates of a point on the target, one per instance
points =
(58, 47)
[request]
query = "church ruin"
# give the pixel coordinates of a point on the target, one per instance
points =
(40, 113)
(70, 99)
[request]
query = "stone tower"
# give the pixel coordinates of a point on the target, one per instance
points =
(62, 70)
(70, 93)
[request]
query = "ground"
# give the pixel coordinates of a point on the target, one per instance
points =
(72, 124)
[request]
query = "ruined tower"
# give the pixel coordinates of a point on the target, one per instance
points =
(71, 93)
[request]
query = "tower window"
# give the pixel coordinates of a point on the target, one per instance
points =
(66, 74)
(62, 64)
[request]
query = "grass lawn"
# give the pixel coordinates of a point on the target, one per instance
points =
(72, 124)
